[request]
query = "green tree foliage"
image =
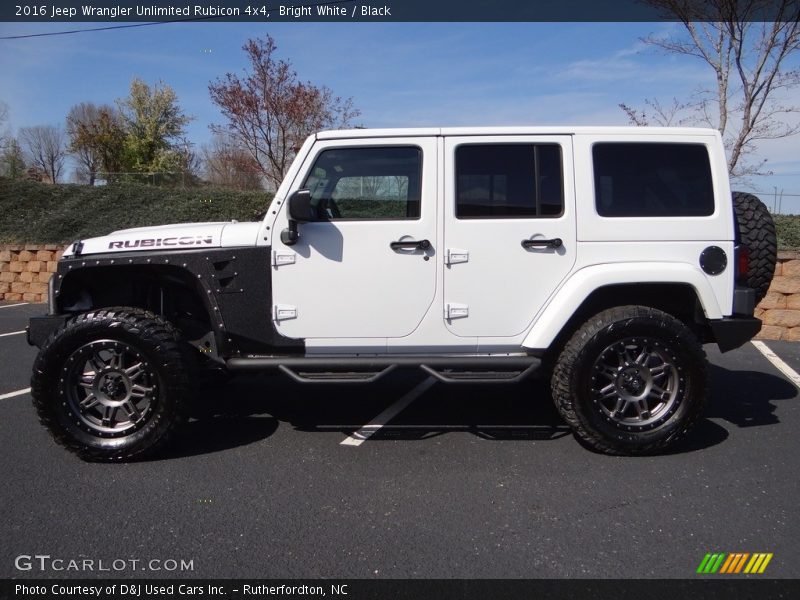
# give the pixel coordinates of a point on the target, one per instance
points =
(155, 127)
(4, 134)
(12, 160)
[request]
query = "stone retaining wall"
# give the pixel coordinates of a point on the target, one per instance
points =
(780, 308)
(26, 269)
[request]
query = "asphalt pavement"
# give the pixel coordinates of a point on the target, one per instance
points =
(468, 481)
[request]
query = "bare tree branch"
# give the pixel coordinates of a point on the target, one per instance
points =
(227, 163)
(749, 58)
(46, 146)
(269, 112)
(663, 116)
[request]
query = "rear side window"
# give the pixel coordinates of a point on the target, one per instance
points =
(500, 181)
(652, 180)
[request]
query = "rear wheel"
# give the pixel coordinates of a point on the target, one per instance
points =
(631, 380)
(112, 384)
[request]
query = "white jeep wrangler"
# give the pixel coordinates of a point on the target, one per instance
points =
(603, 257)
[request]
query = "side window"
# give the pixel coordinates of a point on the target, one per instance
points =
(652, 180)
(375, 183)
(499, 181)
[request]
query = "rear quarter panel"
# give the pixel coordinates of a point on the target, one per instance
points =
(672, 239)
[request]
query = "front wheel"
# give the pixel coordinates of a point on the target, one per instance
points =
(631, 380)
(111, 384)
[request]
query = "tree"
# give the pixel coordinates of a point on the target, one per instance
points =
(107, 136)
(96, 139)
(12, 160)
(46, 146)
(748, 55)
(84, 121)
(155, 127)
(270, 112)
(190, 161)
(4, 135)
(227, 163)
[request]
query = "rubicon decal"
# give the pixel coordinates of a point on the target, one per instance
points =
(734, 563)
(187, 240)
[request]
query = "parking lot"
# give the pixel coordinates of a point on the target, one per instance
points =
(271, 480)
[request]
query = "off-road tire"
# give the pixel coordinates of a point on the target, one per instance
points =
(142, 335)
(577, 380)
(756, 233)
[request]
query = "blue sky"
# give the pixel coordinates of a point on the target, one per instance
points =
(398, 74)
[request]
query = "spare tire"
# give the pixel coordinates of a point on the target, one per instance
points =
(756, 233)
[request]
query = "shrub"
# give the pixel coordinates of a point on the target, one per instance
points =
(788, 229)
(39, 213)
(32, 212)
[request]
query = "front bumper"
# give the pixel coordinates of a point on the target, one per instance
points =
(732, 332)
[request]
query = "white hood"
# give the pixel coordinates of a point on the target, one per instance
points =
(164, 238)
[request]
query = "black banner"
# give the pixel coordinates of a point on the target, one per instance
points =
(43, 11)
(437, 589)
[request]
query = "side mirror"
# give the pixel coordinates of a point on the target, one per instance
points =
(300, 210)
(300, 207)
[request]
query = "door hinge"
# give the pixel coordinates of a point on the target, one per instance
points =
(282, 258)
(456, 311)
(282, 312)
(456, 255)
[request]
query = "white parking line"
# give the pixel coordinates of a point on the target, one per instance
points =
(359, 437)
(12, 394)
(778, 362)
(12, 333)
(10, 305)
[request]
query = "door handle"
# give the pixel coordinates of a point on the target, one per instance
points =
(554, 243)
(410, 244)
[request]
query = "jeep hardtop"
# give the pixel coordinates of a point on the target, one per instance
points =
(602, 258)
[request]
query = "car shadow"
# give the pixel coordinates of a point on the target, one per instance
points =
(503, 412)
(745, 398)
(223, 432)
(251, 408)
(741, 398)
